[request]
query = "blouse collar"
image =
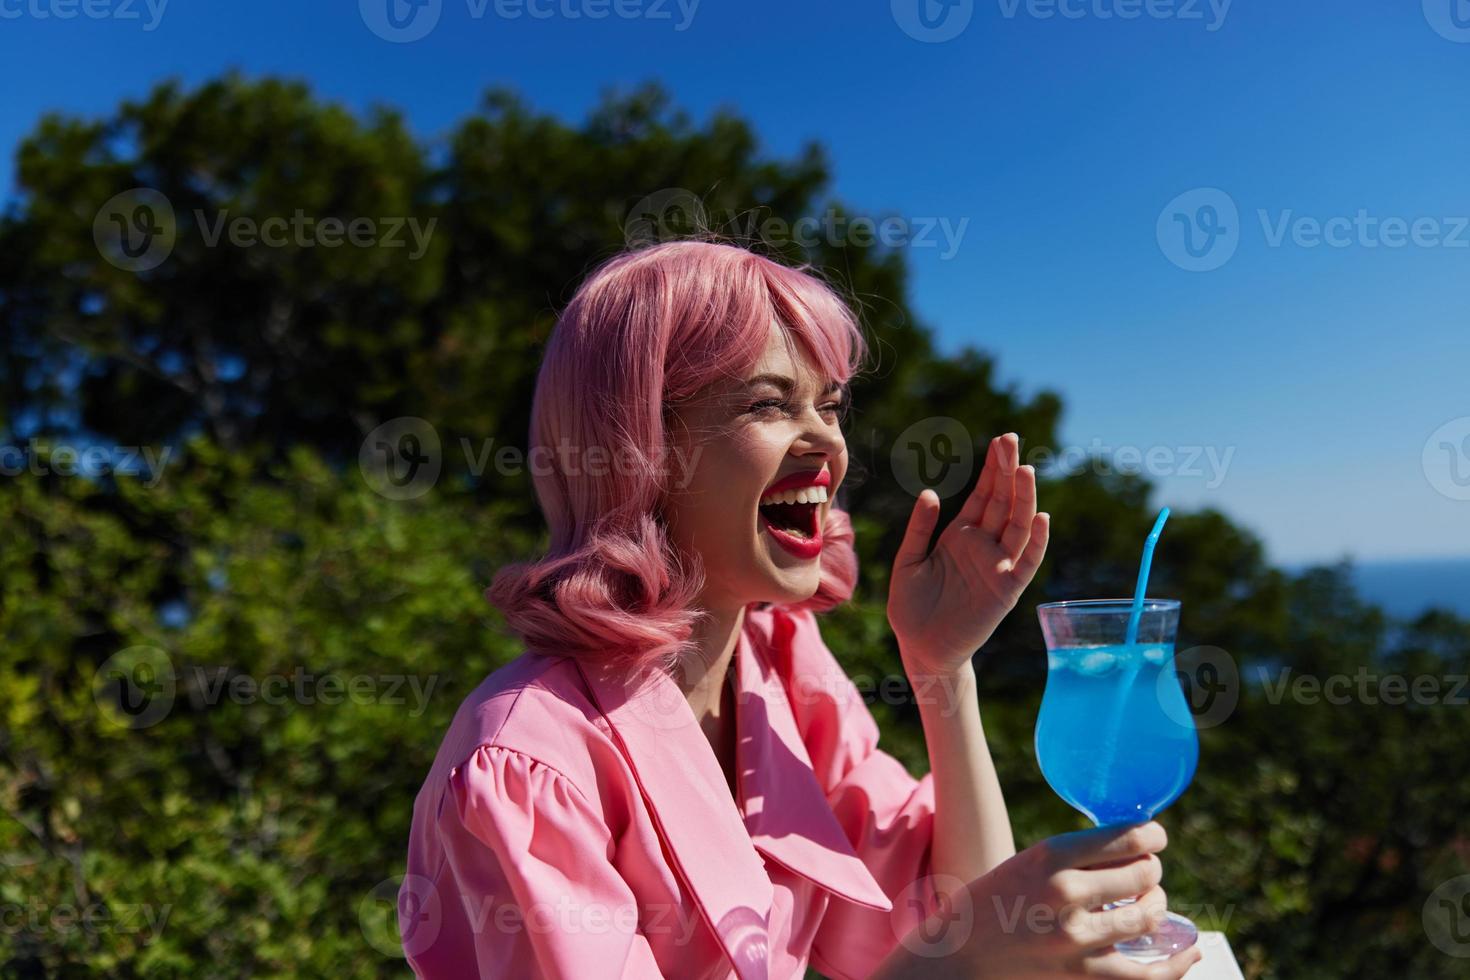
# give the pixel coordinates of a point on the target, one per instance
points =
(782, 812)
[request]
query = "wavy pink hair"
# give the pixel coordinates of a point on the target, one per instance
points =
(647, 329)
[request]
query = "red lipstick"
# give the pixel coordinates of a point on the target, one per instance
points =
(796, 481)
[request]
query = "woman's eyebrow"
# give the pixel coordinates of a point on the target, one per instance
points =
(786, 384)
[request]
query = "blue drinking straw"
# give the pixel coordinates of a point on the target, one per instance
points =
(1143, 570)
(1109, 749)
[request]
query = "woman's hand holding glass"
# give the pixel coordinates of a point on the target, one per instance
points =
(1040, 914)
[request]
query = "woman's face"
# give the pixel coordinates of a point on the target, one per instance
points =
(735, 442)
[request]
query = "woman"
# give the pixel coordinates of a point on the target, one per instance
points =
(677, 779)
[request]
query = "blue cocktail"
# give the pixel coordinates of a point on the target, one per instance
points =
(1115, 737)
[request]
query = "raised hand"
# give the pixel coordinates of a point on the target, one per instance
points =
(943, 605)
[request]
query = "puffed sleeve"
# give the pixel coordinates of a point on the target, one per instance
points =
(532, 865)
(887, 814)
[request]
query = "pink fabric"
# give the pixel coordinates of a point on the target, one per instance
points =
(574, 826)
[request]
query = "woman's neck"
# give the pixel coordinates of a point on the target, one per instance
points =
(704, 669)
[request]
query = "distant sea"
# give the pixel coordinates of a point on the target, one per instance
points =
(1406, 588)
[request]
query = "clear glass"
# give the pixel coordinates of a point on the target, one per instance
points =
(1115, 737)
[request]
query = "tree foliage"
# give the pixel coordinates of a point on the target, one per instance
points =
(249, 828)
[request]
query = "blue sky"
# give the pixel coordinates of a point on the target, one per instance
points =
(1315, 391)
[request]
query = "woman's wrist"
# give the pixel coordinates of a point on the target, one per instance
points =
(939, 691)
(920, 663)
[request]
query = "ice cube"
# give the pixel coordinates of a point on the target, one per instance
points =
(1093, 663)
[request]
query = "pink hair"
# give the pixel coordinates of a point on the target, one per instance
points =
(646, 329)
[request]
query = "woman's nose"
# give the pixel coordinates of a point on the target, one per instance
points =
(820, 437)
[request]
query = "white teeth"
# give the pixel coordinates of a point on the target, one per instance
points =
(806, 495)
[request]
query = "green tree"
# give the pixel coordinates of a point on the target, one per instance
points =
(258, 832)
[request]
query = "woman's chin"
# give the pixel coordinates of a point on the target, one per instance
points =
(795, 582)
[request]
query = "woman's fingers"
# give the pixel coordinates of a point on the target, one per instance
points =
(984, 487)
(1102, 845)
(915, 545)
(1017, 530)
(1117, 965)
(1030, 560)
(998, 508)
(1094, 887)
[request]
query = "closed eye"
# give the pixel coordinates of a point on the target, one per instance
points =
(776, 403)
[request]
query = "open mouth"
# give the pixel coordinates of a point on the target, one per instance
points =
(792, 516)
(794, 511)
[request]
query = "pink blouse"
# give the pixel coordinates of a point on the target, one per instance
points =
(572, 826)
